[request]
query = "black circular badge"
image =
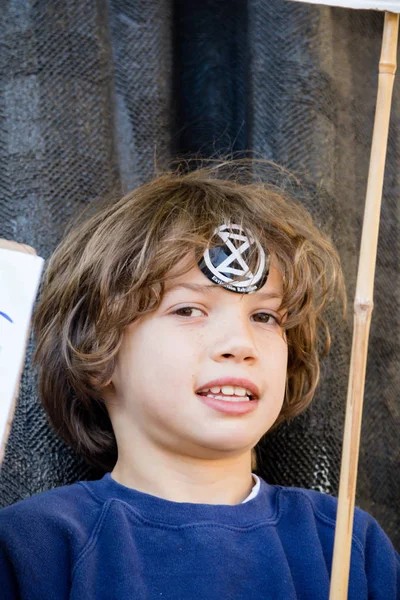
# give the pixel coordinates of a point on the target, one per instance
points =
(228, 261)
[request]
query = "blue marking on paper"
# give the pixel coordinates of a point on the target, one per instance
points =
(6, 317)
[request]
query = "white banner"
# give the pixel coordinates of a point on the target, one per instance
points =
(389, 5)
(19, 281)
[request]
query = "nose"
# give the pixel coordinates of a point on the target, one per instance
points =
(234, 342)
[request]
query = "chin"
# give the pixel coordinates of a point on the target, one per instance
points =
(222, 449)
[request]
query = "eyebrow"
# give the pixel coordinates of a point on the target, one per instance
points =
(204, 289)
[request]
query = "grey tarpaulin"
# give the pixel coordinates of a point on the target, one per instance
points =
(92, 90)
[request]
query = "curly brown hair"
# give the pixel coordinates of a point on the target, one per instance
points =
(112, 267)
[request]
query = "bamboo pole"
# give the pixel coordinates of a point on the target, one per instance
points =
(363, 306)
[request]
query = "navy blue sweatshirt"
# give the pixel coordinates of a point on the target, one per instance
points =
(101, 540)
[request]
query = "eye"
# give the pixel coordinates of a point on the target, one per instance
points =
(188, 311)
(266, 318)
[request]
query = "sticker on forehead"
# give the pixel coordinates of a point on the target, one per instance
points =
(228, 261)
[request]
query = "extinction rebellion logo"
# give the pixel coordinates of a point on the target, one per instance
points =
(228, 261)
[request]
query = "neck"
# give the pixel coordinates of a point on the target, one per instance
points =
(183, 478)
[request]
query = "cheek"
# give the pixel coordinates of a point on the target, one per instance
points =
(154, 362)
(275, 358)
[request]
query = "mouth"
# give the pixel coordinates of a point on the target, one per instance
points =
(230, 390)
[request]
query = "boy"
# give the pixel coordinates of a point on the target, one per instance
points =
(175, 328)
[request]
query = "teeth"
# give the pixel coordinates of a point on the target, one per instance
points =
(239, 391)
(228, 392)
(229, 398)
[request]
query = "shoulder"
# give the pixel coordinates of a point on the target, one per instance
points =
(322, 507)
(311, 518)
(321, 504)
(41, 538)
(51, 499)
(70, 511)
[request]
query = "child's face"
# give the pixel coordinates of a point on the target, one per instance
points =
(201, 333)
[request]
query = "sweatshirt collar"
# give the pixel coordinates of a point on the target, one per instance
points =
(259, 508)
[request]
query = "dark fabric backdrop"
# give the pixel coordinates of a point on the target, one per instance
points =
(91, 91)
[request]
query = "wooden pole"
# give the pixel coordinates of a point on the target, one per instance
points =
(363, 306)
